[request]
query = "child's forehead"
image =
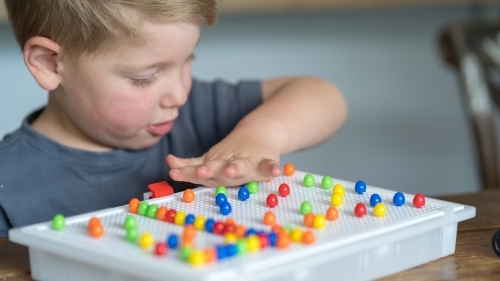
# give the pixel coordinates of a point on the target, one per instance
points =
(159, 42)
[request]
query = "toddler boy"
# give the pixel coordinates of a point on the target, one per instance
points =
(123, 110)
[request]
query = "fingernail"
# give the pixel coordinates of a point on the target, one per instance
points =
(276, 172)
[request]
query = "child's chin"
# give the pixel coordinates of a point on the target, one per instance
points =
(138, 145)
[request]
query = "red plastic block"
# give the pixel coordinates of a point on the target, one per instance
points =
(160, 189)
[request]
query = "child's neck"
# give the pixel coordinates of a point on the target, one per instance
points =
(55, 125)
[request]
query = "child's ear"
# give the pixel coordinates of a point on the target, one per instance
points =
(42, 56)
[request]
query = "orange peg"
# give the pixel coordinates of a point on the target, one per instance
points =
(289, 169)
(161, 213)
(189, 232)
(188, 243)
(230, 221)
(283, 241)
(276, 228)
(284, 232)
(240, 231)
(188, 195)
(332, 213)
(309, 219)
(210, 255)
(308, 237)
(133, 205)
(96, 231)
(269, 218)
(93, 222)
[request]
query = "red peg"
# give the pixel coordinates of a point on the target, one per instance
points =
(284, 190)
(264, 240)
(219, 228)
(272, 200)
(419, 200)
(229, 228)
(161, 249)
(170, 216)
(360, 210)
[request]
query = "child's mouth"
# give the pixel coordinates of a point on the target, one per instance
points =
(160, 129)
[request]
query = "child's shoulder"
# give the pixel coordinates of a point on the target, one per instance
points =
(14, 150)
(9, 142)
(24, 151)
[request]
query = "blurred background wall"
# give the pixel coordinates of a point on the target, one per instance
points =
(406, 128)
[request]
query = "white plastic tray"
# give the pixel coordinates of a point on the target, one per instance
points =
(349, 248)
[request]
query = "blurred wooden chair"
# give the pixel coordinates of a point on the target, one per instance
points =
(474, 51)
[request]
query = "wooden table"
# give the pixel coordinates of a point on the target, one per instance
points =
(474, 258)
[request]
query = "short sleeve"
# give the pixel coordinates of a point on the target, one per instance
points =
(217, 107)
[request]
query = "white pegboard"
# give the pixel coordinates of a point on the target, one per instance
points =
(344, 237)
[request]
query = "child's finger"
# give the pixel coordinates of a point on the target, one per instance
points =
(190, 174)
(269, 168)
(237, 168)
(187, 174)
(211, 169)
(184, 174)
(275, 169)
(175, 162)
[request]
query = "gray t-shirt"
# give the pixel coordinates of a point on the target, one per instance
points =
(40, 178)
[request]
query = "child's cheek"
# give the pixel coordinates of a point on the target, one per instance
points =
(128, 116)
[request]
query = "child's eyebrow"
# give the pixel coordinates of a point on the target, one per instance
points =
(126, 68)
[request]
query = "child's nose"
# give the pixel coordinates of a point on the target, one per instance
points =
(175, 97)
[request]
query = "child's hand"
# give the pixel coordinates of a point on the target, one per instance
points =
(251, 151)
(231, 162)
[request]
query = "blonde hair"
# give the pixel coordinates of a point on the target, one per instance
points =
(85, 26)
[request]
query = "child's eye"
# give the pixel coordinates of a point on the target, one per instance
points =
(143, 82)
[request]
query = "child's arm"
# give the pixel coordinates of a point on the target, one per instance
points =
(297, 113)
